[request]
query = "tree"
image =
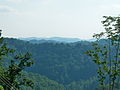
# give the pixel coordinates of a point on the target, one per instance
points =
(11, 76)
(108, 63)
(1, 88)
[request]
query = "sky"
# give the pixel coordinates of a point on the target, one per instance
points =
(55, 18)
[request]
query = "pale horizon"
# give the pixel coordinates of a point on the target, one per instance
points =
(49, 37)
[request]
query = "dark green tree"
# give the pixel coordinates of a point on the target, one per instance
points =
(107, 56)
(11, 75)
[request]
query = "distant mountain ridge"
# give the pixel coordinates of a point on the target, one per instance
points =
(53, 39)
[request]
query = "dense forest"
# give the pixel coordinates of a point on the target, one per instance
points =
(61, 64)
(58, 66)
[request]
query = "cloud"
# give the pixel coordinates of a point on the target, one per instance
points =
(7, 10)
(4, 9)
(16, 1)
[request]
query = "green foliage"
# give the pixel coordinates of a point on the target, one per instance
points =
(83, 85)
(14, 72)
(11, 76)
(107, 61)
(43, 83)
(1, 87)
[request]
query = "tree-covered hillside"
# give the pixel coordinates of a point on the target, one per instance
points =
(64, 63)
(43, 83)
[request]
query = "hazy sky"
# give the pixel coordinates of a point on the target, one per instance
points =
(49, 18)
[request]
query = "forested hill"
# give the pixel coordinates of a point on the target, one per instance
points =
(65, 63)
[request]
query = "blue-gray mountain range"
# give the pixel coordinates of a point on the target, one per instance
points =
(54, 39)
